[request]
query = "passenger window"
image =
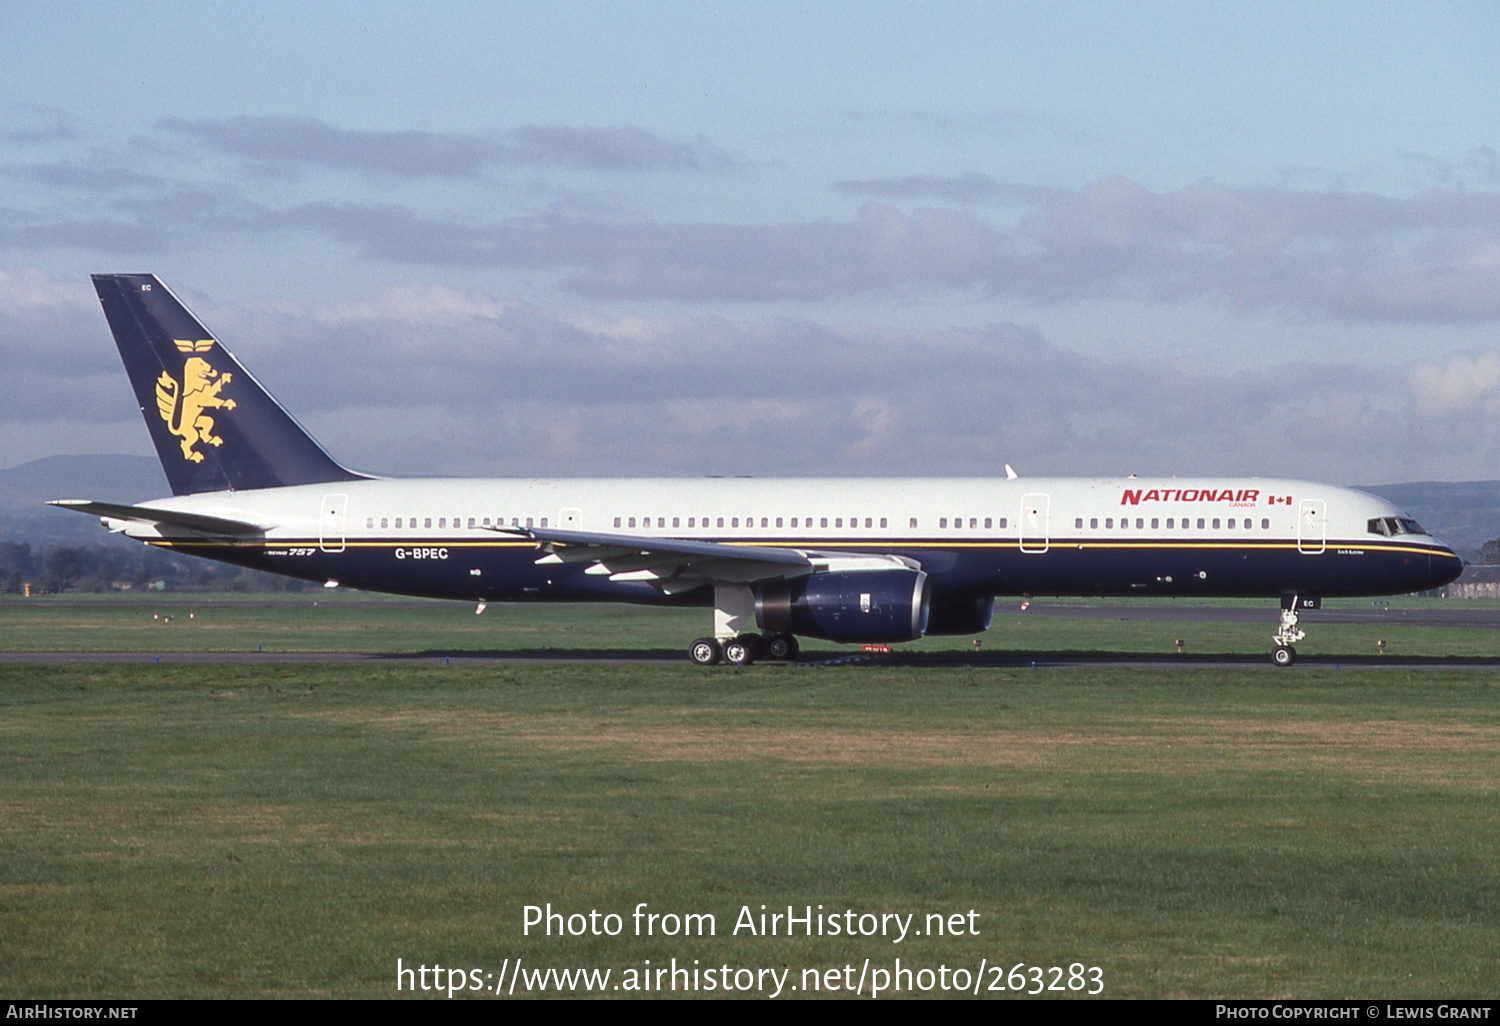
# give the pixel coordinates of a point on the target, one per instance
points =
(1094, 522)
(721, 521)
(1109, 522)
(734, 521)
(544, 522)
(794, 521)
(822, 521)
(442, 522)
(1078, 523)
(882, 521)
(471, 523)
(989, 522)
(1155, 524)
(617, 521)
(1216, 523)
(942, 521)
(384, 522)
(913, 521)
(369, 521)
(1265, 524)
(838, 521)
(1200, 523)
(778, 521)
(631, 522)
(427, 522)
(1171, 523)
(1004, 522)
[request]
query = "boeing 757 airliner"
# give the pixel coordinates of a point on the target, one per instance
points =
(845, 560)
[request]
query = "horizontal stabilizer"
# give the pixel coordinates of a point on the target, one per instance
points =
(199, 522)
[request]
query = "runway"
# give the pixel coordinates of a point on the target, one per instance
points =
(974, 660)
(1461, 618)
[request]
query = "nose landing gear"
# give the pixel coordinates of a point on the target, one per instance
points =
(1288, 634)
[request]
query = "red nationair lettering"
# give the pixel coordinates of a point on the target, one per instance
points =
(1232, 496)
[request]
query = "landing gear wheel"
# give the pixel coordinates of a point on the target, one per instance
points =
(743, 650)
(782, 647)
(1283, 655)
(705, 652)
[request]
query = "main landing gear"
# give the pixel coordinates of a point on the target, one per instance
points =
(734, 611)
(1289, 633)
(743, 649)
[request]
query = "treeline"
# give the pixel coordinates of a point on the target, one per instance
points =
(94, 568)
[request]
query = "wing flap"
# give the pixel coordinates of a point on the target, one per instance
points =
(672, 564)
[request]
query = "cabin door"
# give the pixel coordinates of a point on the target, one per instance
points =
(331, 520)
(1312, 527)
(1035, 513)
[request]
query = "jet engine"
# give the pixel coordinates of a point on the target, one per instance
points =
(847, 606)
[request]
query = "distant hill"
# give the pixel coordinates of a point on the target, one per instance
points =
(24, 489)
(111, 478)
(1463, 514)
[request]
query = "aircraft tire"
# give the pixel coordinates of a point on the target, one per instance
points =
(1283, 655)
(705, 652)
(743, 650)
(782, 647)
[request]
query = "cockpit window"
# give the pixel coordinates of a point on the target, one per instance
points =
(1389, 527)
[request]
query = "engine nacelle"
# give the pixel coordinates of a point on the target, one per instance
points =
(848, 606)
(960, 614)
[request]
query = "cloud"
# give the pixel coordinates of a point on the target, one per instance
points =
(289, 143)
(1460, 386)
(969, 188)
(417, 378)
(27, 125)
(1432, 257)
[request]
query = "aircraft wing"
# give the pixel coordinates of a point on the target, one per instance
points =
(674, 565)
(202, 523)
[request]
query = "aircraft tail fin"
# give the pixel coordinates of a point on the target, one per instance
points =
(214, 426)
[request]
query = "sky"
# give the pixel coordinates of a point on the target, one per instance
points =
(584, 239)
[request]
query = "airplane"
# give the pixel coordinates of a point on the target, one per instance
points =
(861, 561)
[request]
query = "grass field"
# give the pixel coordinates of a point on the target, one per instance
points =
(294, 830)
(174, 831)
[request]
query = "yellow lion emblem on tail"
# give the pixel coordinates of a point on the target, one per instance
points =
(182, 405)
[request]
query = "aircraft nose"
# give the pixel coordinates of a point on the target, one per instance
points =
(1443, 566)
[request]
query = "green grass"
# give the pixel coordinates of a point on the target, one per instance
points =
(173, 831)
